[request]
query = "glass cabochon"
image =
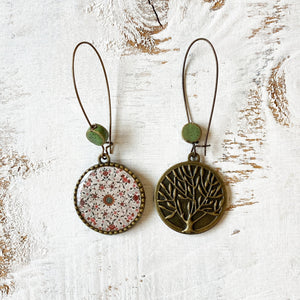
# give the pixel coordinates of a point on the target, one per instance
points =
(109, 198)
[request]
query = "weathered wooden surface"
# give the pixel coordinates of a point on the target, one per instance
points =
(46, 251)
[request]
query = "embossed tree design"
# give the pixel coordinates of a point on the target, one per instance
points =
(188, 194)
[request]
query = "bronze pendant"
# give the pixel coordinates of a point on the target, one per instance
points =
(190, 197)
(109, 198)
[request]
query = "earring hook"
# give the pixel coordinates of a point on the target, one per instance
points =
(107, 87)
(187, 109)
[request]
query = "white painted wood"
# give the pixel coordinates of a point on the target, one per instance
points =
(47, 252)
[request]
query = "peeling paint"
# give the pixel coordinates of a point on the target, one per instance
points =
(241, 148)
(216, 4)
(14, 243)
(136, 23)
(270, 24)
(278, 102)
(145, 90)
(235, 231)
(231, 207)
(15, 165)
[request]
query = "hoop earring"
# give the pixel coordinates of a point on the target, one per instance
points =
(108, 197)
(190, 197)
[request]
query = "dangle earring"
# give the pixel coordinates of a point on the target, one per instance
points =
(108, 197)
(190, 197)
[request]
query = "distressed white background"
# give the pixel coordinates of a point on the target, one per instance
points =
(46, 251)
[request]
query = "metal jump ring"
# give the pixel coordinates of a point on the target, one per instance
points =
(194, 157)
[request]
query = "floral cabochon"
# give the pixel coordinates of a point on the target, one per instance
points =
(109, 198)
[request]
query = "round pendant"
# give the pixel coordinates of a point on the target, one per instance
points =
(190, 197)
(109, 198)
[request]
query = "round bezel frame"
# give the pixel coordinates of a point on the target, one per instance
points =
(139, 184)
(194, 163)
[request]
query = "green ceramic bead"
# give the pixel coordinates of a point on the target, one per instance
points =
(97, 135)
(191, 132)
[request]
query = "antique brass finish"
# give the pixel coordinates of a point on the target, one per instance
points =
(187, 108)
(94, 126)
(190, 197)
(138, 183)
(89, 200)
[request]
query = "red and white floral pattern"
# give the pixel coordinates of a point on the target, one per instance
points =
(108, 198)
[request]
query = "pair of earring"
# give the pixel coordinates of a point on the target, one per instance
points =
(190, 197)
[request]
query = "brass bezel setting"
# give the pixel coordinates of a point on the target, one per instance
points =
(139, 184)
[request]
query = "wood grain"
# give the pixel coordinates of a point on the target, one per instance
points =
(278, 102)
(216, 4)
(136, 22)
(14, 244)
(46, 251)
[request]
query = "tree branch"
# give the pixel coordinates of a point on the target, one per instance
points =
(167, 209)
(204, 214)
(171, 215)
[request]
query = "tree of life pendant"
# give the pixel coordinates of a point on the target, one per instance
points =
(109, 198)
(190, 197)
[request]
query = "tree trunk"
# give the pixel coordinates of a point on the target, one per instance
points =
(189, 225)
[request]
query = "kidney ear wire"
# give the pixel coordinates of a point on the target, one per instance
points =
(94, 127)
(186, 103)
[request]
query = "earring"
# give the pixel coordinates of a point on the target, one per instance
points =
(190, 197)
(108, 197)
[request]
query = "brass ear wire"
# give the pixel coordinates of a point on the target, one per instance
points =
(187, 109)
(107, 87)
(190, 196)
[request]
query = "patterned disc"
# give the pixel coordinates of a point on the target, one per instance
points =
(109, 198)
(190, 197)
